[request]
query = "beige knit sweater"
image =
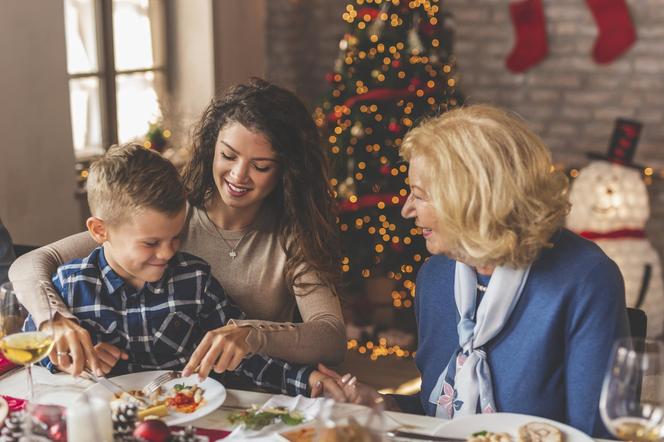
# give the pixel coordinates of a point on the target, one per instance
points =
(254, 279)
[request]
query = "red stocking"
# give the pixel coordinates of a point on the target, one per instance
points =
(530, 35)
(616, 31)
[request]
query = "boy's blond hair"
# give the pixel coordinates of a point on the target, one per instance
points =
(129, 178)
(491, 182)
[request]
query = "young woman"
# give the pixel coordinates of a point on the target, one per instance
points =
(515, 313)
(261, 213)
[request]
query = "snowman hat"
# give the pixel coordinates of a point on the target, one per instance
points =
(623, 143)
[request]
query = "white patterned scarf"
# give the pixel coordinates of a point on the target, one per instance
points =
(465, 385)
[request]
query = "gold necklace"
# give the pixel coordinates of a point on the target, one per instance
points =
(232, 249)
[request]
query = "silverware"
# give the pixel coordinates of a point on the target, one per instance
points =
(419, 436)
(112, 386)
(159, 381)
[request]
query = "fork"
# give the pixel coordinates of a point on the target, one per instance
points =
(159, 381)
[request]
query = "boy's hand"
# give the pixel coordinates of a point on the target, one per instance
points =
(222, 349)
(73, 347)
(108, 355)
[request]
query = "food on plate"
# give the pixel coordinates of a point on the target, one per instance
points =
(530, 432)
(350, 432)
(160, 410)
(489, 436)
(185, 399)
(255, 419)
(540, 432)
(180, 398)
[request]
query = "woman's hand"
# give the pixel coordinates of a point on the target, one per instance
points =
(73, 348)
(221, 349)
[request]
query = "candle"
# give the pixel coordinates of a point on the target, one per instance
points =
(90, 421)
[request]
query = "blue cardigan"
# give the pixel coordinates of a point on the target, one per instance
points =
(550, 358)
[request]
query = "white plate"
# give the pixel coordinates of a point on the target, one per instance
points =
(463, 427)
(4, 410)
(214, 394)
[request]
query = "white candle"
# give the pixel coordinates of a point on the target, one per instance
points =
(90, 421)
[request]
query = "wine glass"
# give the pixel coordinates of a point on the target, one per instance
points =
(632, 399)
(20, 342)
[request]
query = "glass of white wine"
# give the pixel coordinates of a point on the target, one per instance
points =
(20, 342)
(632, 399)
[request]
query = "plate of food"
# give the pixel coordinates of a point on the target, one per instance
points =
(178, 401)
(510, 427)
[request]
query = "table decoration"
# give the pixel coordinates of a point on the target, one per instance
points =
(13, 403)
(13, 428)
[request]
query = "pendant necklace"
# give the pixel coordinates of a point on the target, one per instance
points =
(232, 249)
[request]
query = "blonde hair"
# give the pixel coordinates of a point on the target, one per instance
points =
(491, 183)
(129, 178)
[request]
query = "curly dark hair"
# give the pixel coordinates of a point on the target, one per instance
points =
(303, 198)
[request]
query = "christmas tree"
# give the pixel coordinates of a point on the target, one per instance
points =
(395, 67)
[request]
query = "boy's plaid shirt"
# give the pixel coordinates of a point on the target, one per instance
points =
(160, 325)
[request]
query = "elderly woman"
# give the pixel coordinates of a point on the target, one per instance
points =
(515, 313)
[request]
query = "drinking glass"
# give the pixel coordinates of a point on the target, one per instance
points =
(632, 399)
(20, 343)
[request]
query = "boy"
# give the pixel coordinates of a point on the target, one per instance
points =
(146, 305)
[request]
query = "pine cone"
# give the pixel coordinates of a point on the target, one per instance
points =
(12, 431)
(186, 435)
(125, 417)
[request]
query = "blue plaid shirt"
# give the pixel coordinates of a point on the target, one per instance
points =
(160, 325)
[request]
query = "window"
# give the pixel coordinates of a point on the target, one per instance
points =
(117, 70)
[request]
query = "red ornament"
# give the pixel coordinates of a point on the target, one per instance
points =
(329, 77)
(58, 432)
(394, 127)
(49, 415)
(427, 28)
(152, 430)
(371, 12)
(396, 63)
(384, 169)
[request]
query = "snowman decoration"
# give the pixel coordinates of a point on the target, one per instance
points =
(610, 207)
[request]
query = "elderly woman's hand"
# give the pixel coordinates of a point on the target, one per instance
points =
(221, 349)
(73, 349)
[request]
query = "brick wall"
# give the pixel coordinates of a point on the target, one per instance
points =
(568, 99)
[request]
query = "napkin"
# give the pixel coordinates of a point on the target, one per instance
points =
(308, 407)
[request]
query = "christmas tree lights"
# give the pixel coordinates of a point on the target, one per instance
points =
(395, 66)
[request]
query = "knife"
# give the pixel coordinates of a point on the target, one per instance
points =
(112, 386)
(419, 436)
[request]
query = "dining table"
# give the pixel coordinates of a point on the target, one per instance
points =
(14, 384)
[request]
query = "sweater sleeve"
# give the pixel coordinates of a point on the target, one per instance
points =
(40, 264)
(597, 317)
(321, 337)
